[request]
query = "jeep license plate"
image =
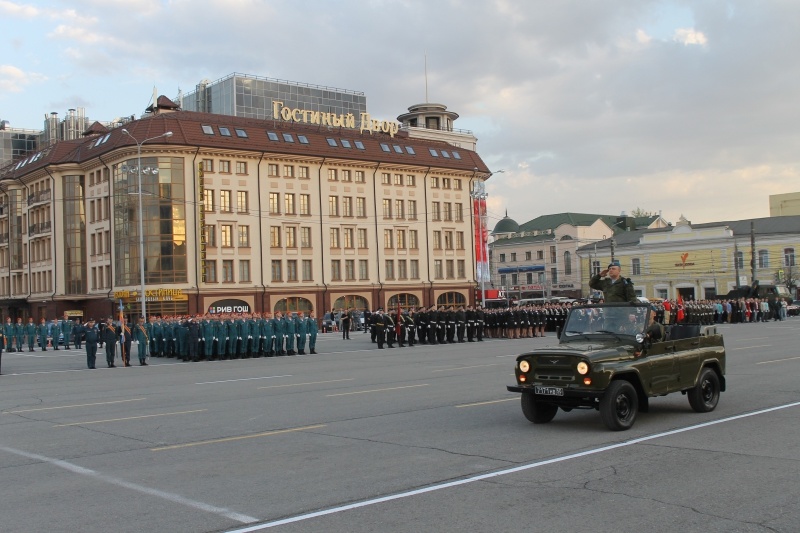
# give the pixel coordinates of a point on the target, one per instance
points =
(549, 391)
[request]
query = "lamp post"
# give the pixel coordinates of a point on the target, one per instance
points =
(141, 210)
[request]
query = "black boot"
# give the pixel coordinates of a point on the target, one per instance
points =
(313, 351)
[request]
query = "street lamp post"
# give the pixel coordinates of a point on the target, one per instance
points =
(141, 210)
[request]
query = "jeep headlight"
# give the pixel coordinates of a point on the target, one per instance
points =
(524, 366)
(583, 368)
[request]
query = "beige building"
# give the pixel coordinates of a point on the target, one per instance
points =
(784, 204)
(237, 214)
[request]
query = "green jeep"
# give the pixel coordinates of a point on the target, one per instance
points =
(612, 358)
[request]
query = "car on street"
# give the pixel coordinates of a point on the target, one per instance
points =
(606, 360)
(793, 309)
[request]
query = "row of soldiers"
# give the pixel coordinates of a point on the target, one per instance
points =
(44, 334)
(444, 325)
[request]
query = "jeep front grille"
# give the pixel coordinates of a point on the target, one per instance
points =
(553, 376)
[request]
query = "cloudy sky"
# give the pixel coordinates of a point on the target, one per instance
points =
(682, 107)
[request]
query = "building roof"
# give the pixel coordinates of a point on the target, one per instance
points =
(187, 129)
(551, 222)
(506, 225)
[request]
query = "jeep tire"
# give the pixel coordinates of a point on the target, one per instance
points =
(704, 396)
(619, 406)
(537, 412)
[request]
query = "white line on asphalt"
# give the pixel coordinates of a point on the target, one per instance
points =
(777, 361)
(175, 498)
(242, 379)
(750, 347)
(75, 405)
(465, 367)
(309, 383)
(127, 418)
(487, 403)
(45, 356)
(508, 355)
(507, 471)
(377, 390)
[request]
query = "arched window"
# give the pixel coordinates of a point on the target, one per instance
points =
(567, 263)
(293, 304)
(788, 257)
(451, 298)
(404, 300)
(351, 301)
(763, 259)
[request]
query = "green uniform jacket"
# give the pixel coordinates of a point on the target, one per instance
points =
(621, 291)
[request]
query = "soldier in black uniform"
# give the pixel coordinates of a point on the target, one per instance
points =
(461, 323)
(91, 336)
(421, 321)
(377, 325)
(109, 337)
(469, 316)
(434, 325)
(480, 318)
(411, 326)
(388, 326)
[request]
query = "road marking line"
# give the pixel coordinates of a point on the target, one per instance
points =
(377, 390)
(481, 477)
(230, 439)
(310, 383)
(466, 367)
(175, 498)
(486, 403)
(242, 379)
(127, 418)
(751, 347)
(777, 361)
(508, 355)
(76, 405)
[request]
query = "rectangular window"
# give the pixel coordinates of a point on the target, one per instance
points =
(412, 210)
(305, 237)
(595, 268)
(398, 179)
(437, 241)
(434, 182)
(459, 212)
(636, 267)
(350, 269)
(241, 167)
(288, 203)
(307, 272)
(387, 208)
(288, 172)
(277, 270)
(527, 256)
(225, 201)
(411, 180)
(363, 269)
(244, 236)
(333, 205)
(302, 172)
(242, 202)
(208, 199)
(210, 271)
(436, 212)
(462, 269)
(274, 203)
(448, 240)
(399, 212)
(788, 257)
(336, 270)
(413, 241)
(387, 239)
(438, 271)
(244, 270)
(347, 206)
(272, 169)
(513, 257)
(445, 183)
(348, 235)
(347, 175)
(334, 237)
(401, 239)
(459, 240)
(361, 207)
(225, 167)
(362, 238)
(554, 275)
(552, 254)
(448, 211)
(386, 178)
(414, 271)
(227, 270)
(390, 269)
(451, 272)
(208, 165)
(539, 255)
(305, 203)
(275, 236)
(291, 237)
(402, 269)
(457, 184)
(291, 270)
(226, 235)
(502, 258)
(333, 175)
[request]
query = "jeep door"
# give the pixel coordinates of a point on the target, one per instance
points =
(660, 372)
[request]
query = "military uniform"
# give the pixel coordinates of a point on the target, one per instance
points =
(619, 291)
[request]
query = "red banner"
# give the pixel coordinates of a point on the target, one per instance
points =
(481, 240)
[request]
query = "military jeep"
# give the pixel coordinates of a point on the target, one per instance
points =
(611, 358)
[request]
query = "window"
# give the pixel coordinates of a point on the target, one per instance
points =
(288, 137)
(398, 179)
(401, 239)
(275, 236)
(305, 237)
(225, 167)
(461, 269)
(225, 201)
(554, 275)
(529, 278)
(595, 268)
(227, 270)
(244, 236)
(345, 143)
(513, 257)
(208, 130)
(307, 272)
(398, 209)
(437, 240)
(350, 269)
(385, 147)
(362, 237)
(242, 203)
(347, 234)
(241, 133)
(363, 269)
(448, 240)
(336, 270)
(527, 256)
(514, 279)
(438, 272)
(402, 269)
(333, 205)
(210, 272)
(332, 142)
(272, 169)
(291, 270)
(739, 259)
(414, 272)
(788, 257)
(567, 263)
(433, 152)
(359, 145)
(303, 139)
(397, 149)
(347, 175)
(347, 206)
(305, 201)
(411, 180)
(459, 240)
(272, 136)
(241, 167)
(226, 235)
(210, 235)
(360, 176)
(274, 203)
(502, 258)
(387, 208)
(302, 172)
(763, 259)
(334, 237)
(448, 211)
(434, 182)
(288, 203)
(459, 212)
(277, 270)
(412, 209)
(386, 178)
(208, 199)
(361, 207)
(540, 255)
(208, 165)
(552, 254)
(436, 212)
(291, 237)
(445, 183)
(502, 280)
(244, 270)
(457, 184)
(390, 269)
(333, 175)
(636, 267)
(225, 132)
(387, 239)
(413, 241)
(288, 171)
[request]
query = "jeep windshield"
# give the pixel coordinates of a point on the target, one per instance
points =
(606, 319)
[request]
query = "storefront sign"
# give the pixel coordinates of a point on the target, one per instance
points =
(154, 295)
(332, 119)
(73, 313)
(229, 306)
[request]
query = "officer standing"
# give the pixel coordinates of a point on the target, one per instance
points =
(42, 332)
(66, 330)
(77, 333)
(126, 338)
(301, 330)
(91, 336)
(615, 288)
(109, 337)
(30, 332)
(377, 323)
(19, 333)
(142, 341)
(312, 328)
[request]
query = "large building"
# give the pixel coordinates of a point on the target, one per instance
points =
(781, 205)
(238, 214)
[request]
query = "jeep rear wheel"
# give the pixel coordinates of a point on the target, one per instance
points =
(619, 406)
(537, 412)
(704, 397)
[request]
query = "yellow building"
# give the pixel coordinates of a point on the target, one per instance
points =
(784, 204)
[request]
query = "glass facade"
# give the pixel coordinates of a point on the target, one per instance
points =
(74, 235)
(249, 96)
(164, 221)
(15, 145)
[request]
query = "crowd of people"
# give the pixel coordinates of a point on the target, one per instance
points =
(736, 311)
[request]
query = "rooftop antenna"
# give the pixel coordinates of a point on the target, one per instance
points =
(426, 77)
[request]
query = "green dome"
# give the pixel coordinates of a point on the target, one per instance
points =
(507, 225)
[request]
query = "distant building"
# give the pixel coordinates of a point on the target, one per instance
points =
(784, 204)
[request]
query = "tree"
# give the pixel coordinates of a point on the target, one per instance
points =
(787, 276)
(639, 212)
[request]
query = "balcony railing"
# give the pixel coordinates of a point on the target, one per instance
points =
(41, 196)
(41, 227)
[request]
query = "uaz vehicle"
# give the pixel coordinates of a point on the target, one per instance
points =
(606, 361)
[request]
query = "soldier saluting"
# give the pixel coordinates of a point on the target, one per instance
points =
(615, 288)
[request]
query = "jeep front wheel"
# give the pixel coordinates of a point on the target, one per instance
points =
(619, 406)
(537, 412)
(704, 397)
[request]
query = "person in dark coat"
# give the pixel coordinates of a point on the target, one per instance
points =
(91, 336)
(193, 339)
(125, 341)
(109, 337)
